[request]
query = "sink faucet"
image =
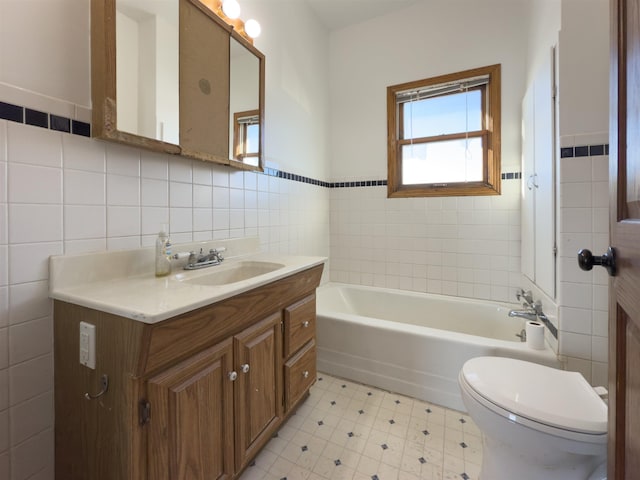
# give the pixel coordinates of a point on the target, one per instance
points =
(202, 259)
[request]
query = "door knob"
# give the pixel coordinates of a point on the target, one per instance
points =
(586, 260)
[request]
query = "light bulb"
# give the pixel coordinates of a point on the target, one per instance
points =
(252, 28)
(231, 9)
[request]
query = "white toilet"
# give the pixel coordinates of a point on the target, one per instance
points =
(537, 422)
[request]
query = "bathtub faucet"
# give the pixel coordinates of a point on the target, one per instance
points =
(529, 314)
(533, 311)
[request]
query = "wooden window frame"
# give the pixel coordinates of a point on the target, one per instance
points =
(240, 135)
(490, 133)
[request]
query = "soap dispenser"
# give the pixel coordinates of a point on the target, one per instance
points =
(163, 252)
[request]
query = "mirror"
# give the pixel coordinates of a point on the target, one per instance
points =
(172, 76)
(244, 105)
(147, 67)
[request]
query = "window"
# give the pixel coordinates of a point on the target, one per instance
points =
(444, 135)
(246, 133)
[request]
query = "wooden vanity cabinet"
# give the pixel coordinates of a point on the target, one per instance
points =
(192, 417)
(193, 397)
(299, 349)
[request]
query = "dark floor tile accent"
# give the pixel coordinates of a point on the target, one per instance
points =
(320, 422)
(384, 446)
(397, 402)
(304, 448)
(360, 412)
(337, 462)
(428, 410)
(392, 421)
(344, 386)
(422, 460)
(350, 434)
(36, 118)
(465, 476)
(369, 394)
(80, 128)
(463, 445)
(462, 420)
(426, 432)
(8, 111)
(333, 402)
(61, 124)
(374, 477)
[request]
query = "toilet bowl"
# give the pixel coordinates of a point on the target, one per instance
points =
(537, 422)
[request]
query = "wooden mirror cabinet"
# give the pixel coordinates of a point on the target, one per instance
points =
(172, 76)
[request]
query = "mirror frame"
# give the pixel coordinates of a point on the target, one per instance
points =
(103, 86)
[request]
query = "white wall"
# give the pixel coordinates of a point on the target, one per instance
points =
(584, 65)
(63, 193)
(466, 246)
(581, 31)
(583, 185)
(428, 39)
(544, 25)
(297, 81)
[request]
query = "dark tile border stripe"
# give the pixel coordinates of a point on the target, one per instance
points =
(28, 116)
(16, 113)
(584, 151)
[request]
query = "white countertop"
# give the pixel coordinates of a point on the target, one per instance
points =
(124, 283)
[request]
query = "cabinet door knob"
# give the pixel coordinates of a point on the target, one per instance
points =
(245, 368)
(233, 376)
(305, 324)
(305, 374)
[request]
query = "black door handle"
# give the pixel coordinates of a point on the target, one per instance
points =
(586, 260)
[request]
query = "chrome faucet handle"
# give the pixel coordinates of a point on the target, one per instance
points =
(181, 255)
(217, 252)
(527, 296)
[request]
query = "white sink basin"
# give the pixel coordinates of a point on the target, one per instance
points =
(223, 275)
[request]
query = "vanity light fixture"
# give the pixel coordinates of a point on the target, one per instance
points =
(252, 28)
(231, 8)
(229, 11)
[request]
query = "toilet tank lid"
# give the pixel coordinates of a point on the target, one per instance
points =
(557, 398)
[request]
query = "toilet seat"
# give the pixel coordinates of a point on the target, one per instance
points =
(555, 401)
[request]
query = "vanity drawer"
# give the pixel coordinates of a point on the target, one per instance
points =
(299, 374)
(299, 324)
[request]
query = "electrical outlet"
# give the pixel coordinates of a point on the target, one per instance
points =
(88, 345)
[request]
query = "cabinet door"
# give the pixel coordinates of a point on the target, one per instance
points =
(258, 394)
(191, 425)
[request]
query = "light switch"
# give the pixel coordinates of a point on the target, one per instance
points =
(88, 345)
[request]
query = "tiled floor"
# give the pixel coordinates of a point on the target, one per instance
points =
(346, 431)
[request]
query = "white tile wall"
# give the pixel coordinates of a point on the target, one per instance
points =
(462, 246)
(583, 296)
(61, 193)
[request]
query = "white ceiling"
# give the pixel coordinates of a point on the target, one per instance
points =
(336, 14)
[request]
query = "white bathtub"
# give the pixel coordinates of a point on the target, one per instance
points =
(413, 343)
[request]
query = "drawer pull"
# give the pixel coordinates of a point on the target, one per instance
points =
(233, 376)
(305, 374)
(305, 324)
(245, 368)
